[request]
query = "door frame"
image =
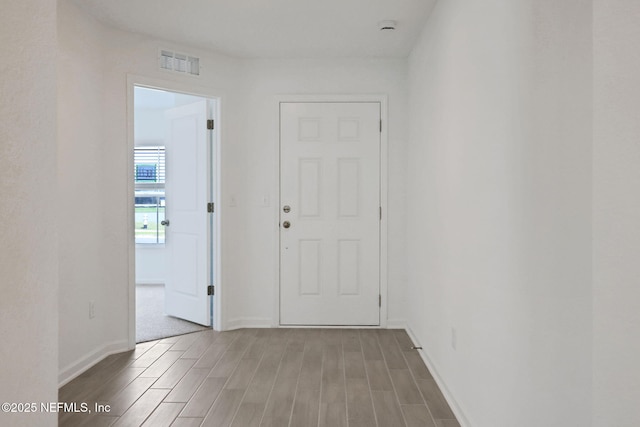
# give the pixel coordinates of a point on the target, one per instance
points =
(384, 185)
(215, 238)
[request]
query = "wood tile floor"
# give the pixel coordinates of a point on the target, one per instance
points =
(263, 377)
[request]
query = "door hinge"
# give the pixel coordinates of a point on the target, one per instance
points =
(379, 300)
(381, 213)
(211, 290)
(210, 207)
(380, 125)
(210, 124)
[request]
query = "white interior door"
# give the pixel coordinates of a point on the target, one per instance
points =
(329, 213)
(187, 234)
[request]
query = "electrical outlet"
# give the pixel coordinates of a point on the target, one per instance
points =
(92, 309)
(454, 339)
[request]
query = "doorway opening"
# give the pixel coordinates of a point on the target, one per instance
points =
(174, 177)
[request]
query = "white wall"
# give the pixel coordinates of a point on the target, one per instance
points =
(85, 214)
(616, 213)
(28, 209)
(100, 59)
(254, 290)
(151, 264)
(94, 162)
(499, 202)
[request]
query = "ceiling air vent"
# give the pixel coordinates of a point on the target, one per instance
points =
(179, 62)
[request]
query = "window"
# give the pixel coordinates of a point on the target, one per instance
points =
(149, 163)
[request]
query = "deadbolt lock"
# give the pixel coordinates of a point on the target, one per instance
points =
(286, 208)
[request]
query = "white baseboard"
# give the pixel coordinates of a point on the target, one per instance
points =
(453, 403)
(264, 322)
(79, 366)
(247, 322)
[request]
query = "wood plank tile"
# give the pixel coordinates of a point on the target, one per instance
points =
(306, 407)
(279, 405)
(227, 364)
(333, 415)
(203, 399)
(174, 374)
(212, 354)
(72, 419)
(105, 392)
(227, 337)
(244, 337)
(185, 342)
(249, 415)
(360, 424)
(278, 336)
(170, 340)
(435, 399)
(404, 341)
(417, 416)
(388, 412)
(447, 423)
(359, 404)
(416, 365)
(332, 337)
(89, 420)
(117, 384)
(269, 377)
(187, 386)
(243, 374)
(262, 382)
(141, 348)
(280, 402)
(379, 379)
(311, 372)
(82, 386)
(164, 415)
(390, 349)
(123, 400)
(150, 356)
(223, 410)
(256, 348)
(187, 422)
(160, 366)
(370, 347)
(333, 387)
(142, 408)
(354, 365)
(351, 340)
(201, 345)
(405, 387)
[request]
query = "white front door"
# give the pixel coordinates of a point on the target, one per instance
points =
(329, 213)
(187, 234)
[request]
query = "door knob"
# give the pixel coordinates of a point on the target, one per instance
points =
(164, 222)
(286, 224)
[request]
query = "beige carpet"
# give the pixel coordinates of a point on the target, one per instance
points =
(151, 322)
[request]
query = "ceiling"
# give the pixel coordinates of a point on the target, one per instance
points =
(273, 28)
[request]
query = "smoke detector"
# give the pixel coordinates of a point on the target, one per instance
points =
(387, 25)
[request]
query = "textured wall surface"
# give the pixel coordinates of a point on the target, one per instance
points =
(499, 208)
(28, 209)
(616, 213)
